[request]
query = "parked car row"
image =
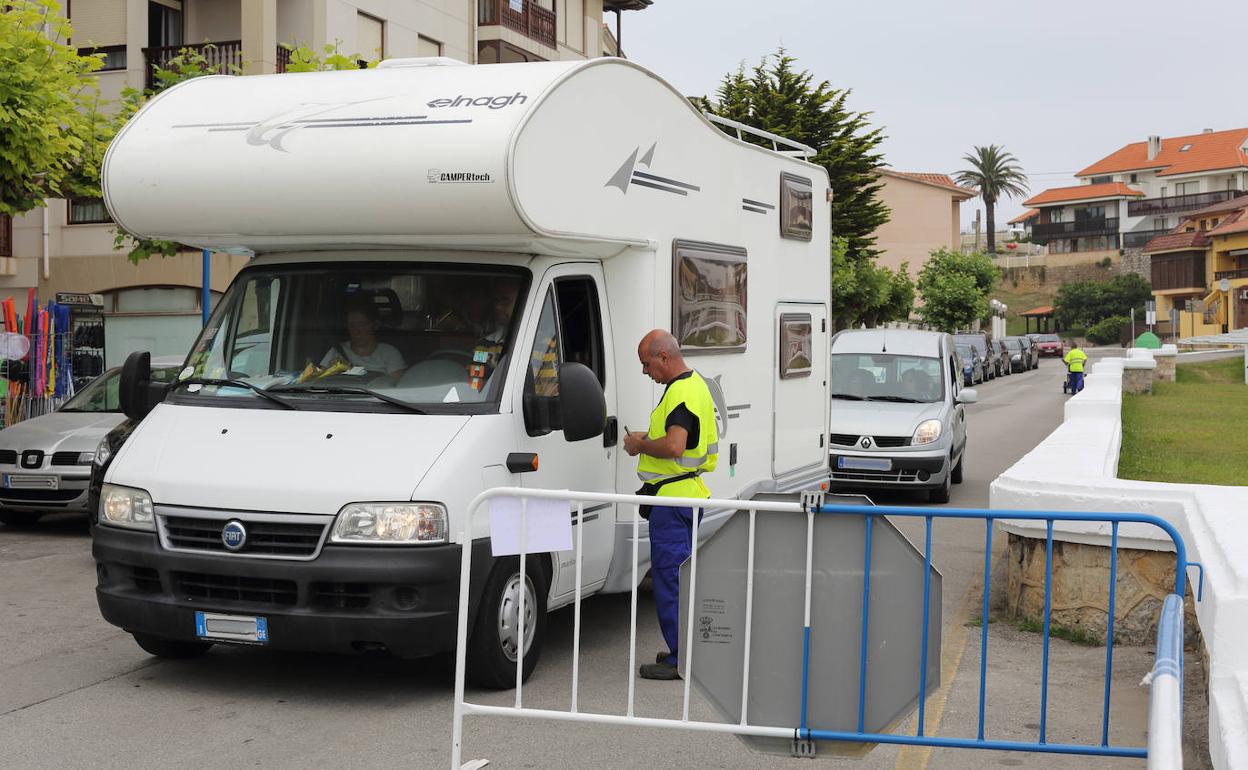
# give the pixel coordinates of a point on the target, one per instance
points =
(983, 359)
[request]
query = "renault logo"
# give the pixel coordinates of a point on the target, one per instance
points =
(866, 442)
(234, 536)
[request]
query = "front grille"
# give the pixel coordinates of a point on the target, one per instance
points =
(889, 442)
(146, 579)
(229, 588)
(8, 457)
(263, 537)
(843, 439)
(66, 458)
(40, 495)
(341, 595)
(855, 474)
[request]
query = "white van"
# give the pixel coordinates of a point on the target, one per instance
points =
(453, 267)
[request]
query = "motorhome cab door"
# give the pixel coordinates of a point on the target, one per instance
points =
(799, 375)
(570, 327)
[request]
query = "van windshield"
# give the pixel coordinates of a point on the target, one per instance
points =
(884, 377)
(367, 336)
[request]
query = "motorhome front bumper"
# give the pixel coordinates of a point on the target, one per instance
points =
(903, 469)
(348, 599)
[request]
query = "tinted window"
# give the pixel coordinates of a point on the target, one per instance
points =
(709, 302)
(886, 377)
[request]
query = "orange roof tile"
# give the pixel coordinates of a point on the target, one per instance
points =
(1082, 192)
(1173, 241)
(1231, 204)
(1206, 152)
(1023, 217)
(940, 180)
(1235, 223)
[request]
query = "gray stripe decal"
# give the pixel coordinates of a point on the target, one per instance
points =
(751, 208)
(665, 180)
(588, 518)
(735, 407)
(643, 183)
(759, 204)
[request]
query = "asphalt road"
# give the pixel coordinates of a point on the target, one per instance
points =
(76, 692)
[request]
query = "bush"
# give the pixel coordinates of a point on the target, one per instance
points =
(1106, 332)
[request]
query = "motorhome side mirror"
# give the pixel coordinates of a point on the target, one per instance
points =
(968, 396)
(582, 403)
(136, 392)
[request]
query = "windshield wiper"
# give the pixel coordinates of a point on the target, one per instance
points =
(261, 392)
(848, 396)
(897, 399)
(349, 389)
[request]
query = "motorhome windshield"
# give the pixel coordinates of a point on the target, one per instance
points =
(376, 336)
(885, 377)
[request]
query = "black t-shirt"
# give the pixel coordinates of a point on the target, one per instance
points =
(684, 418)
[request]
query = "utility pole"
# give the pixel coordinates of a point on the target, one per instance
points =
(977, 213)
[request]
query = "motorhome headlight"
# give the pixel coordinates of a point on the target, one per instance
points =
(927, 432)
(102, 452)
(126, 507)
(390, 524)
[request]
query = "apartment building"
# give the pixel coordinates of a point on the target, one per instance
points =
(926, 215)
(155, 305)
(1138, 192)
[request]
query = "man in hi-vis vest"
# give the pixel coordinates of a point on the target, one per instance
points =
(681, 444)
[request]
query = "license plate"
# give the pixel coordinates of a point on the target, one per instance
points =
(241, 629)
(27, 481)
(865, 463)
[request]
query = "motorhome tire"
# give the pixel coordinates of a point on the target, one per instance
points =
(941, 493)
(19, 518)
(170, 648)
(492, 650)
(956, 473)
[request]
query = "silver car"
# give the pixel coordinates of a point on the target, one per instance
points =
(45, 462)
(897, 411)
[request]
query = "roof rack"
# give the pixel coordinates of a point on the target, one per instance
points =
(791, 148)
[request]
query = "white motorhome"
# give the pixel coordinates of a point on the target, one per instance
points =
(491, 242)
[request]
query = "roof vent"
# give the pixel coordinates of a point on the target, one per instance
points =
(1206, 131)
(423, 61)
(1185, 147)
(1154, 146)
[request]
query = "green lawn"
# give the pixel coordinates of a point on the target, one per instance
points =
(1020, 302)
(1192, 431)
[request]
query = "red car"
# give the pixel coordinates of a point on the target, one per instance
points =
(1049, 344)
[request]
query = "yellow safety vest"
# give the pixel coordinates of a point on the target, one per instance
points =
(1074, 359)
(693, 393)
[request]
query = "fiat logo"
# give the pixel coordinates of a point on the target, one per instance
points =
(866, 442)
(234, 536)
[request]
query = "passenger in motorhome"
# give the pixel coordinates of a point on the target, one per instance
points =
(363, 348)
(681, 444)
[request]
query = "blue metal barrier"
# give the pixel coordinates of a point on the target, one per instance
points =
(1170, 631)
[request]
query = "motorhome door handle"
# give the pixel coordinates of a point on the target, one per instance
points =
(611, 434)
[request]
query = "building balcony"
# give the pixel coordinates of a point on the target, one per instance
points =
(1231, 275)
(1137, 239)
(523, 16)
(1098, 226)
(1178, 270)
(225, 57)
(1173, 204)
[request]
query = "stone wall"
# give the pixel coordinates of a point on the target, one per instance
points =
(1136, 261)
(1051, 276)
(1080, 589)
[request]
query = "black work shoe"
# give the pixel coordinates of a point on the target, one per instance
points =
(662, 657)
(660, 671)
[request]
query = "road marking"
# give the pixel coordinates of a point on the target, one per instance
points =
(917, 757)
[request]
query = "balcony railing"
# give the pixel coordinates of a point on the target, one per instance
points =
(1144, 207)
(1231, 275)
(523, 16)
(6, 235)
(1139, 238)
(225, 57)
(1097, 226)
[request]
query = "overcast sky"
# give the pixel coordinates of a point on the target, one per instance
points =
(1061, 84)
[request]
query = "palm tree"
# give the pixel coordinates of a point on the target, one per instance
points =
(994, 172)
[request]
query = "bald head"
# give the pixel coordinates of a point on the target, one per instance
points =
(660, 357)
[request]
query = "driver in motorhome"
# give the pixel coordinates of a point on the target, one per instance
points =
(363, 348)
(493, 330)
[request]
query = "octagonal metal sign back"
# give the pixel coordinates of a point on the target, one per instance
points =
(895, 618)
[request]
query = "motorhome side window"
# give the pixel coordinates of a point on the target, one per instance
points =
(709, 296)
(797, 210)
(361, 336)
(568, 329)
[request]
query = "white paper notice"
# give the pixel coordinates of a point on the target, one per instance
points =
(547, 525)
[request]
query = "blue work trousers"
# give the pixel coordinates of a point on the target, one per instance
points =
(1076, 382)
(671, 537)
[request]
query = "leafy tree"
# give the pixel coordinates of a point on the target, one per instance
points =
(43, 103)
(994, 172)
(864, 293)
(1085, 303)
(304, 59)
(776, 97)
(1106, 331)
(901, 294)
(955, 288)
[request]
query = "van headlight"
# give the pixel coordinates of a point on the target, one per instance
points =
(390, 524)
(927, 432)
(102, 452)
(126, 507)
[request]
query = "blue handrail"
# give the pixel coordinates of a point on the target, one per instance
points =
(1169, 640)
